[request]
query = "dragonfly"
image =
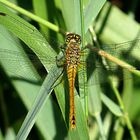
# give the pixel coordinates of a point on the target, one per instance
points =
(73, 54)
(73, 42)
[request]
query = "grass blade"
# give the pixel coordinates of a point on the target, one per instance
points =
(91, 11)
(46, 88)
(36, 42)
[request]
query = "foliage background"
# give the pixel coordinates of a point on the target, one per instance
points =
(107, 116)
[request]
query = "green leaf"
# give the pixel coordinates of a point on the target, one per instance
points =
(1, 136)
(91, 11)
(111, 29)
(30, 119)
(115, 109)
(10, 135)
(23, 30)
(40, 10)
(71, 14)
(29, 91)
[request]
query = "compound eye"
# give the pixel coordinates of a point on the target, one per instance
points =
(69, 36)
(78, 38)
(67, 40)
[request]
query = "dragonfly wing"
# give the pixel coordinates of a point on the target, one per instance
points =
(105, 70)
(125, 50)
(15, 61)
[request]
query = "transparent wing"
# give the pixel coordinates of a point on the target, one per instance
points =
(129, 48)
(16, 61)
(105, 69)
(127, 51)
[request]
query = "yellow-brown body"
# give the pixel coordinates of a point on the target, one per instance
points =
(72, 60)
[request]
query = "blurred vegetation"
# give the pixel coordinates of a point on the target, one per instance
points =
(107, 106)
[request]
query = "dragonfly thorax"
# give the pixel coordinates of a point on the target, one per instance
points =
(73, 49)
(73, 54)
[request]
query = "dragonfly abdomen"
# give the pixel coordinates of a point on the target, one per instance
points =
(71, 72)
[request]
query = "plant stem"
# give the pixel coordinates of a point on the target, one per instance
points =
(32, 16)
(117, 61)
(125, 114)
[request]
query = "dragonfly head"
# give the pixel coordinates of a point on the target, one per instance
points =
(72, 37)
